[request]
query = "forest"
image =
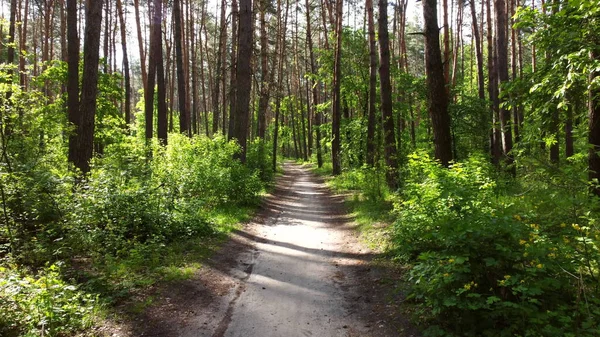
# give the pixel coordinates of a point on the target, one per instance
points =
(136, 135)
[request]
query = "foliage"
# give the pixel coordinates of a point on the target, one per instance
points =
(43, 305)
(486, 262)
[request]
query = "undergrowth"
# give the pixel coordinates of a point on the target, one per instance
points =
(487, 254)
(144, 215)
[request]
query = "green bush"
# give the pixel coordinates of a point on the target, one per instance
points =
(43, 305)
(481, 263)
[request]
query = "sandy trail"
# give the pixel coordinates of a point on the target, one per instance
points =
(298, 269)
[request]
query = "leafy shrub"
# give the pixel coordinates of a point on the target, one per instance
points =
(481, 263)
(136, 196)
(43, 305)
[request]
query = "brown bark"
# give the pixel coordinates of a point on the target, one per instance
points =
(136, 6)
(184, 126)
(315, 94)
(436, 91)
(385, 87)
(502, 71)
(161, 124)
(337, 77)
(73, 77)
(478, 53)
(220, 60)
(89, 85)
(243, 76)
(594, 131)
(125, 63)
(372, 120)
(265, 80)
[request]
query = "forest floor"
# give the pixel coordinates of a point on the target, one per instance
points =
(298, 268)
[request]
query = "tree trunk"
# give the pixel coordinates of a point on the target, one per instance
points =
(136, 6)
(372, 119)
(478, 53)
(315, 94)
(233, 70)
(89, 85)
(337, 77)
(125, 63)
(502, 70)
(594, 132)
(280, 53)
(155, 38)
(161, 96)
(437, 98)
(220, 59)
(73, 78)
(243, 76)
(390, 150)
(263, 102)
(181, 86)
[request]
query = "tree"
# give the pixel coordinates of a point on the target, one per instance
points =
(126, 70)
(502, 77)
(372, 120)
(184, 126)
(89, 86)
(389, 137)
(315, 90)
(436, 91)
(594, 126)
(337, 77)
(73, 78)
(243, 76)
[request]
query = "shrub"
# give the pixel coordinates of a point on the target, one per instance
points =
(43, 305)
(481, 263)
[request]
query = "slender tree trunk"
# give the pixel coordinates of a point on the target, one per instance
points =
(243, 76)
(337, 77)
(502, 69)
(89, 85)
(280, 52)
(437, 98)
(125, 63)
(161, 125)
(181, 86)
(265, 80)
(495, 146)
(315, 94)
(594, 132)
(152, 60)
(220, 59)
(73, 78)
(372, 119)
(233, 71)
(136, 6)
(390, 150)
(478, 53)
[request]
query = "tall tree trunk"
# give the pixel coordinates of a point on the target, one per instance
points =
(372, 119)
(73, 78)
(155, 32)
(390, 150)
(502, 70)
(233, 71)
(436, 91)
(89, 85)
(337, 77)
(181, 86)
(23, 44)
(478, 53)
(136, 6)
(220, 59)
(161, 125)
(495, 142)
(446, 29)
(280, 53)
(594, 132)
(243, 76)
(263, 103)
(315, 94)
(125, 63)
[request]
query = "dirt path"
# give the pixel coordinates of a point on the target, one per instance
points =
(297, 270)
